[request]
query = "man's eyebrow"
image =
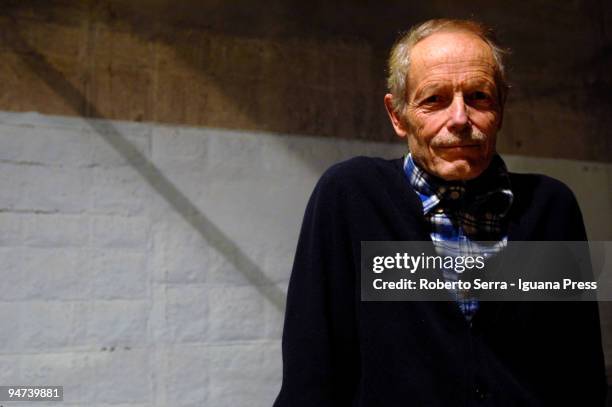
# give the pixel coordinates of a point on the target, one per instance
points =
(432, 87)
(480, 82)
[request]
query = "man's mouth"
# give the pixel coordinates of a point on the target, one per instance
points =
(460, 146)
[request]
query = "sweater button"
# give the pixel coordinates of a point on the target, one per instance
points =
(481, 392)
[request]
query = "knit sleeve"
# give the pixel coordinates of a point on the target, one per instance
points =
(587, 359)
(319, 346)
(584, 380)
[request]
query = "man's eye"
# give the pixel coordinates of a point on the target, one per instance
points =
(479, 96)
(432, 99)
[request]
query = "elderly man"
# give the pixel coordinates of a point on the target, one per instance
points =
(447, 92)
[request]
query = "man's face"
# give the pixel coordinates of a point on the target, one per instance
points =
(453, 112)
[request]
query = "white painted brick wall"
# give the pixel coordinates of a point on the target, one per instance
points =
(107, 289)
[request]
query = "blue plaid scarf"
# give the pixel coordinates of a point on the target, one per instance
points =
(466, 218)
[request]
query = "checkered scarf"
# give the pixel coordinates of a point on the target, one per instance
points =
(466, 218)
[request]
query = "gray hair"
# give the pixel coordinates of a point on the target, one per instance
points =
(399, 60)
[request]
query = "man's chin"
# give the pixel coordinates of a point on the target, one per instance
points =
(458, 170)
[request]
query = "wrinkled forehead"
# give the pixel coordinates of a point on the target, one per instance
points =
(452, 48)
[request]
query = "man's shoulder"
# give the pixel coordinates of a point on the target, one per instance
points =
(547, 208)
(363, 169)
(541, 186)
(360, 178)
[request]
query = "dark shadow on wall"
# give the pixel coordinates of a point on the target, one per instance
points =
(151, 174)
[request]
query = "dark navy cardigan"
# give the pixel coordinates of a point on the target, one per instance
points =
(340, 351)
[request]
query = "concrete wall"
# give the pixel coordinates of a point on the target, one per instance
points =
(146, 265)
(291, 67)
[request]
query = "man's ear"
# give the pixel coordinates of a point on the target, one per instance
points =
(396, 120)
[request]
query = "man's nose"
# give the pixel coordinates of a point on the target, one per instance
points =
(458, 119)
